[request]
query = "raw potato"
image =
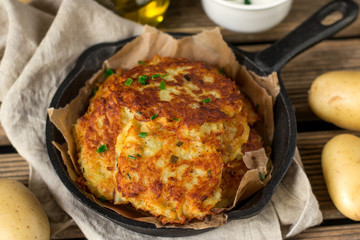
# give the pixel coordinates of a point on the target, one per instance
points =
(21, 215)
(334, 97)
(340, 161)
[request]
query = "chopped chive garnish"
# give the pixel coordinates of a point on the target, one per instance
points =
(132, 157)
(187, 77)
(141, 62)
(179, 144)
(94, 90)
(176, 119)
(162, 85)
(247, 2)
(173, 159)
(153, 117)
(209, 173)
(142, 79)
(109, 72)
(155, 76)
(142, 134)
(102, 199)
(102, 148)
(206, 100)
(261, 176)
(138, 155)
(222, 71)
(163, 76)
(128, 82)
(128, 175)
(83, 169)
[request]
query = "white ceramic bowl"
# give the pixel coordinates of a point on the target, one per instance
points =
(259, 16)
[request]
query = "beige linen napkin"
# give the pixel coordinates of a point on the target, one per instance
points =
(38, 47)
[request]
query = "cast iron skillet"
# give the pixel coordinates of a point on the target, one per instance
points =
(263, 62)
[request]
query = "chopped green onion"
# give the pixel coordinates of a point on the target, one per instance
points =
(153, 117)
(176, 119)
(102, 148)
(142, 134)
(142, 79)
(132, 157)
(173, 159)
(155, 76)
(102, 199)
(163, 76)
(138, 155)
(261, 176)
(179, 144)
(222, 71)
(94, 90)
(247, 2)
(141, 62)
(128, 82)
(187, 77)
(162, 85)
(108, 72)
(128, 175)
(83, 169)
(206, 100)
(209, 173)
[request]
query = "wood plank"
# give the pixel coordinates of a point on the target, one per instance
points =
(343, 232)
(188, 16)
(13, 166)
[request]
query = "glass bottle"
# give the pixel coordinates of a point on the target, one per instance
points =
(149, 12)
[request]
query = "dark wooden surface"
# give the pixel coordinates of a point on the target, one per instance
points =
(340, 52)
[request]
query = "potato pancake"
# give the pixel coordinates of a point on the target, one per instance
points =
(168, 137)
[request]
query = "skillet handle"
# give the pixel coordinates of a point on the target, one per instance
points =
(304, 36)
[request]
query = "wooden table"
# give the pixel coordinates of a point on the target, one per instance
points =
(338, 53)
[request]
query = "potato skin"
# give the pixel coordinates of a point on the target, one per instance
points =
(21, 215)
(334, 97)
(340, 161)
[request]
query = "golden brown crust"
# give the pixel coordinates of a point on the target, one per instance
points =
(189, 155)
(149, 102)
